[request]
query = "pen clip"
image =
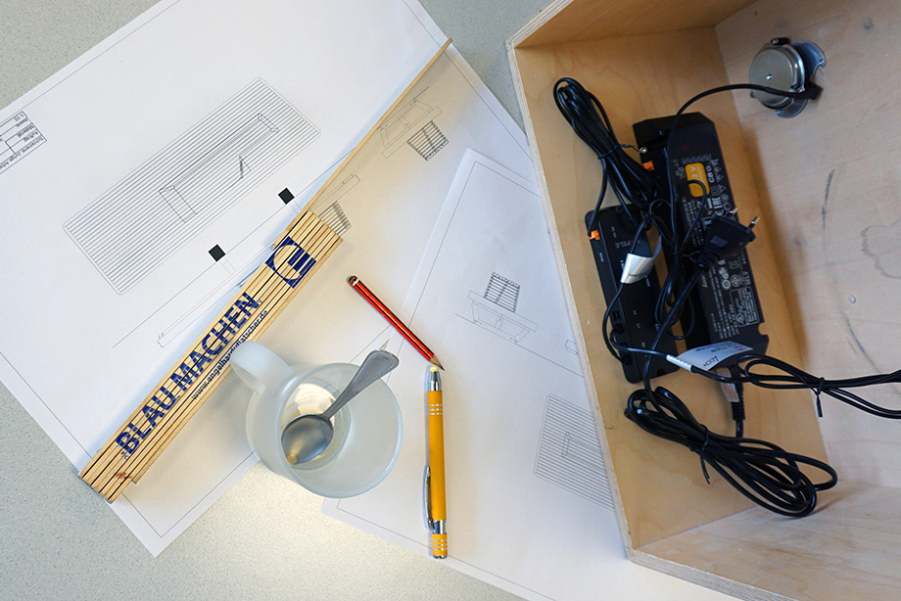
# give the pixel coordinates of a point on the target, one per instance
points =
(427, 498)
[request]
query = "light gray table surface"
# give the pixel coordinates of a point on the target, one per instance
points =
(265, 538)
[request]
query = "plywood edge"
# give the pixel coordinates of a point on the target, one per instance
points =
(702, 578)
(580, 20)
(849, 549)
(521, 37)
(568, 295)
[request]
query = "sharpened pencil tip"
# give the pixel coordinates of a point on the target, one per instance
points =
(436, 362)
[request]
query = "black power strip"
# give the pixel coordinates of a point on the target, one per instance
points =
(632, 314)
(725, 302)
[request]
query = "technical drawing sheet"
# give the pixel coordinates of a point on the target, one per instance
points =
(141, 185)
(529, 506)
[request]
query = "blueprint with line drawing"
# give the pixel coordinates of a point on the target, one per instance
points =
(529, 506)
(148, 179)
(159, 207)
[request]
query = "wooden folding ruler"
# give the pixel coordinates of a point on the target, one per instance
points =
(298, 253)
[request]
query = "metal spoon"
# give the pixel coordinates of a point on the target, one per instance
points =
(306, 436)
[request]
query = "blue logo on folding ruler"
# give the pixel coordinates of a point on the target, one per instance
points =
(296, 267)
(221, 334)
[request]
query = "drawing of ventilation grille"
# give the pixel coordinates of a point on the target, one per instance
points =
(395, 131)
(503, 292)
(328, 209)
(428, 141)
(334, 217)
(569, 454)
(498, 315)
(140, 222)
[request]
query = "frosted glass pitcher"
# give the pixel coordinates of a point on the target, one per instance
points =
(368, 430)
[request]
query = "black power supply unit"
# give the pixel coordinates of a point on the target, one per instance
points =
(725, 305)
(632, 314)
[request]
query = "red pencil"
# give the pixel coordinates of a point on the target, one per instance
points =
(398, 325)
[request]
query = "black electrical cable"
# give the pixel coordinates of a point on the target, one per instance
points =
(620, 172)
(629, 181)
(807, 94)
(617, 349)
(794, 378)
(673, 285)
(624, 175)
(735, 394)
(761, 471)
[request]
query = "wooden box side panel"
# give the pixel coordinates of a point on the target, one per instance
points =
(579, 20)
(849, 549)
(831, 178)
(637, 78)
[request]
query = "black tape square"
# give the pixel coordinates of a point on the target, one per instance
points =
(217, 253)
(286, 196)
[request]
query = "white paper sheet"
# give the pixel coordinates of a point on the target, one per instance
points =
(529, 508)
(200, 102)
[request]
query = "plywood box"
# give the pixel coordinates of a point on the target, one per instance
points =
(827, 263)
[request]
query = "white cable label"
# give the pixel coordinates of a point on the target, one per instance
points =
(637, 267)
(708, 357)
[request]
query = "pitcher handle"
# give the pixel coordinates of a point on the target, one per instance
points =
(259, 367)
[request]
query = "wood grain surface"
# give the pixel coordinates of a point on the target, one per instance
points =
(831, 183)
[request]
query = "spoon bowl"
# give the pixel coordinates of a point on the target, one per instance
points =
(306, 436)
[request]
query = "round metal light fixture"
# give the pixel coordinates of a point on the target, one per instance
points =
(789, 66)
